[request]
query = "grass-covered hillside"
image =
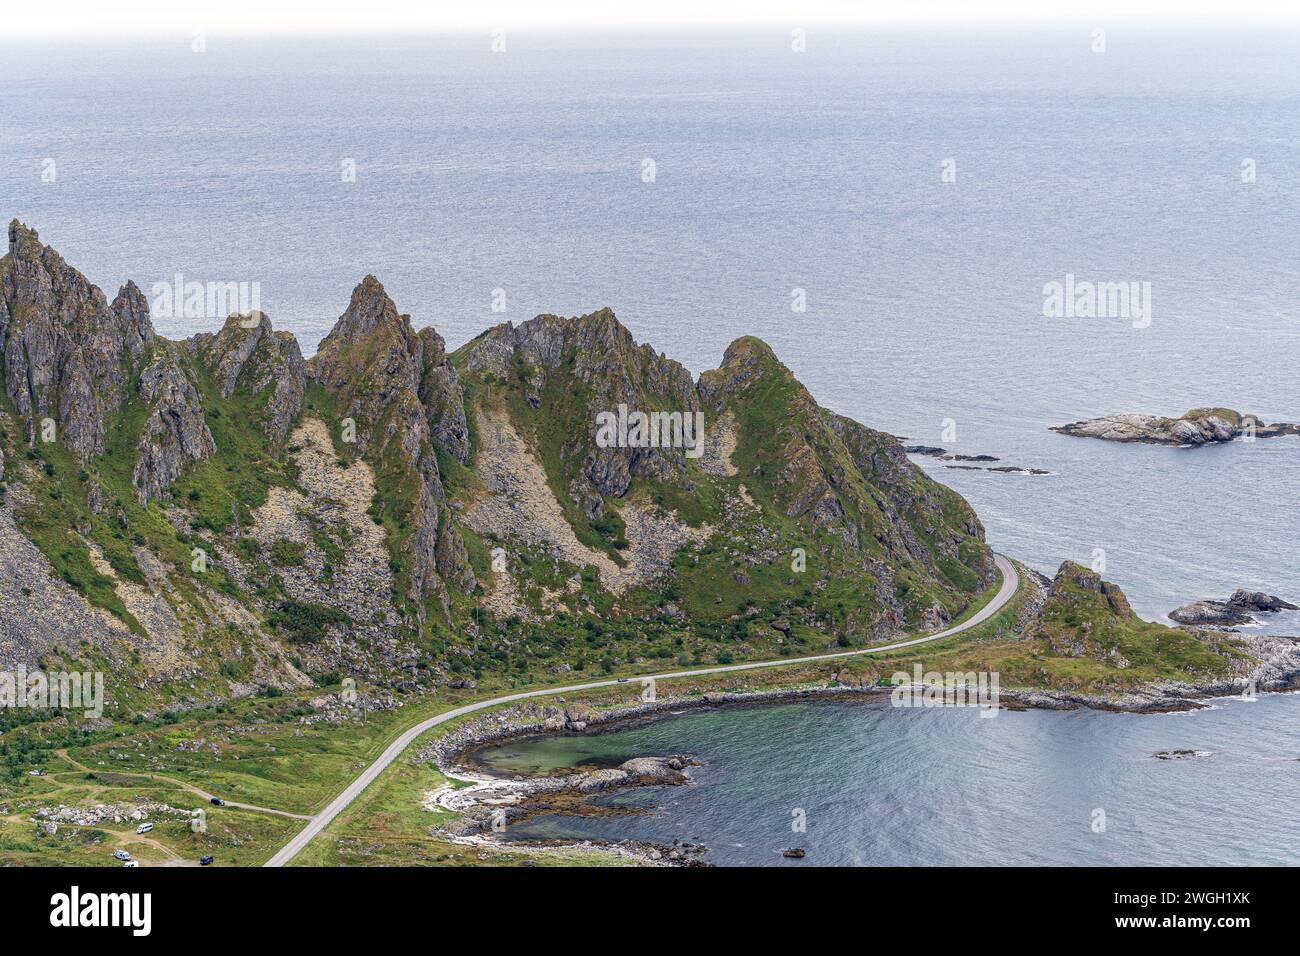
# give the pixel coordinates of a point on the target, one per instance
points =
(792, 528)
(1088, 636)
(217, 517)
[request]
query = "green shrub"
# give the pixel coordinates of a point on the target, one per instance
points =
(287, 554)
(304, 623)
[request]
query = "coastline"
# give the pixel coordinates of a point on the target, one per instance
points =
(532, 718)
(513, 798)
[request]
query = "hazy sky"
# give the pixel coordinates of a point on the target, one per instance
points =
(160, 17)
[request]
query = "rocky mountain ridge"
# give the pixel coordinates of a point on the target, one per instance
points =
(225, 515)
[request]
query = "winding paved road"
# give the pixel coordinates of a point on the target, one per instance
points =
(1010, 584)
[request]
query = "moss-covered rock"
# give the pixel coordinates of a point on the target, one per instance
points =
(1083, 616)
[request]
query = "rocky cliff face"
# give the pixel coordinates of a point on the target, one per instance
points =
(75, 359)
(403, 395)
(68, 354)
(846, 479)
(579, 367)
(837, 473)
(175, 432)
(450, 551)
(775, 471)
(248, 354)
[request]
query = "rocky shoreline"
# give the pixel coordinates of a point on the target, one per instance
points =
(1278, 671)
(491, 803)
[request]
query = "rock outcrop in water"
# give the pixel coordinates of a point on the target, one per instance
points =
(1200, 426)
(1238, 609)
(971, 462)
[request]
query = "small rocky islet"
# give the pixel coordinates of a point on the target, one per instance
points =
(1200, 426)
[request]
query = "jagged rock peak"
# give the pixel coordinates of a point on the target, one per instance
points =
(370, 310)
(373, 347)
(442, 396)
(248, 353)
(24, 239)
(66, 350)
(546, 340)
(131, 309)
(404, 396)
(599, 354)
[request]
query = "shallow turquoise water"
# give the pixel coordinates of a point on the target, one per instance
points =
(885, 786)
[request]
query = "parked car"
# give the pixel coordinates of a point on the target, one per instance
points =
(38, 772)
(218, 802)
(131, 863)
(205, 860)
(144, 828)
(122, 855)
